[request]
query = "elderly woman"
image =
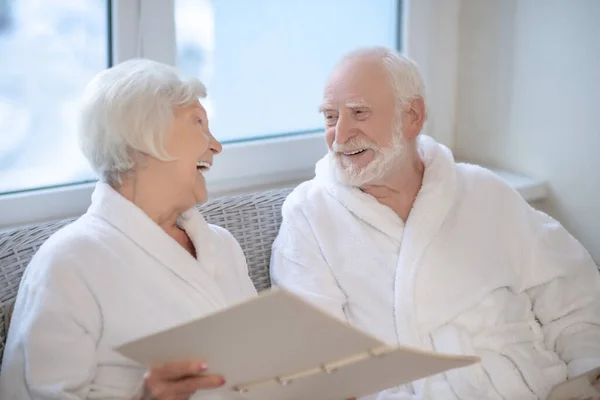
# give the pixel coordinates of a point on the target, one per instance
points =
(141, 259)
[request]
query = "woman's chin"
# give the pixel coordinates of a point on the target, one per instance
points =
(199, 190)
(200, 194)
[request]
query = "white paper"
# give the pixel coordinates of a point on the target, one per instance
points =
(278, 334)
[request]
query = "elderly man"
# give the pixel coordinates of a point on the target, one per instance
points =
(396, 238)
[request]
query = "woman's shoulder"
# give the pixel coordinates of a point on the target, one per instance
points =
(70, 248)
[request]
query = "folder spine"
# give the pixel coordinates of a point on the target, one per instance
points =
(326, 368)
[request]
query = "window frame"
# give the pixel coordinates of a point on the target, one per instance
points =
(284, 160)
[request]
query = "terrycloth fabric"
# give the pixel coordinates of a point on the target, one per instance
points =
(475, 270)
(111, 276)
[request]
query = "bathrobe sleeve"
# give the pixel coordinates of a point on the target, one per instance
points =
(298, 265)
(55, 327)
(563, 283)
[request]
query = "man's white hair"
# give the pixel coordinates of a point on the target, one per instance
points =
(405, 78)
(127, 110)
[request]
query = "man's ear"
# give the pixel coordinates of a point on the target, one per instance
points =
(416, 115)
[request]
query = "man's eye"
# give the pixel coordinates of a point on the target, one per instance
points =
(361, 113)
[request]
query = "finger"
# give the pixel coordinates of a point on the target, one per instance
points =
(178, 370)
(183, 388)
(191, 385)
(182, 397)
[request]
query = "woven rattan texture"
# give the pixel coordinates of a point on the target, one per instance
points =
(253, 219)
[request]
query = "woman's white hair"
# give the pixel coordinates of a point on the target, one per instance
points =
(127, 110)
(405, 78)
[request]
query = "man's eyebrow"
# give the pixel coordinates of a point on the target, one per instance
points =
(325, 107)
(360, 103)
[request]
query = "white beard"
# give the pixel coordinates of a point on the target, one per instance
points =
(383, 161)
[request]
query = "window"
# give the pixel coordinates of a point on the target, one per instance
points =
(50, 50)
(264, 63)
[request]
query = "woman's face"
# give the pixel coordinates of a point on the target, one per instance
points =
(193, 146)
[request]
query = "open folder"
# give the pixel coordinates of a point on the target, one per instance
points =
(278, 347)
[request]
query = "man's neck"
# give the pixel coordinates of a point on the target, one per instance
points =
(400, 188)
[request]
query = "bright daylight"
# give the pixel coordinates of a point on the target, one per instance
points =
(299, 199)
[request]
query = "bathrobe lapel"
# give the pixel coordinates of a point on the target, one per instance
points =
(145, 234)
(431, 208)
(429, 211)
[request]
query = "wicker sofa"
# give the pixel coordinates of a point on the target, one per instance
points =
(252, 219)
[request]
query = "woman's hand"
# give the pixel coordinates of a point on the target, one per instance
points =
(178, 381)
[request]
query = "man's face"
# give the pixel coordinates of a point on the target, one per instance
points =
(362, 132)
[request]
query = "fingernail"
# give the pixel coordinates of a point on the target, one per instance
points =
(202, 367)
(221, 381)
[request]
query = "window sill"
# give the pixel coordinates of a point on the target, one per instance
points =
(283, 163)
(241, 168)
(531, 189)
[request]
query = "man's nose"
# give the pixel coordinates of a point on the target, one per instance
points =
(344, 129)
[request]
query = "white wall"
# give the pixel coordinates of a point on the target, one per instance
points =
(430, 37)
(528, 100)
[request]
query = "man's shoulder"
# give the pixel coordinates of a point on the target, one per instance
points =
(483, 192)
(478, 180)
(305, 195)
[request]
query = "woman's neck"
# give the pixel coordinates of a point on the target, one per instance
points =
(158, 207)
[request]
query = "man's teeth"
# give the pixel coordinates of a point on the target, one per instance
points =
(351, 153)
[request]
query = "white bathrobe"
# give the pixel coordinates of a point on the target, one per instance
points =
(110, 277)
(475, 270)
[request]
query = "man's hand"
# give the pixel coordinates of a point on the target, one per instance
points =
(178, 381)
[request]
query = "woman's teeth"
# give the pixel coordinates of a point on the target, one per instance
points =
(203, 167)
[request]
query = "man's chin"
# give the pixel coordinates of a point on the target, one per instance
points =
(354, 178)
(351, 175)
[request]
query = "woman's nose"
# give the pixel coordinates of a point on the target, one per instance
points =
(214, 144)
